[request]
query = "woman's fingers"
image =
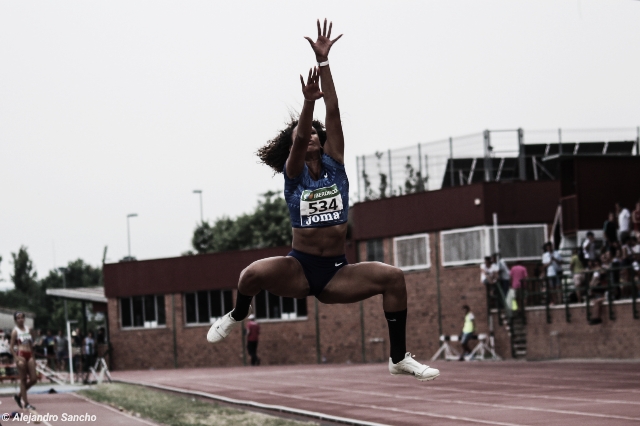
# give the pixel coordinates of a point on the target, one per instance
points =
(336, 39)
(309, 78)
(319, 34)
(309, 40)
(302, 81)
(330, 25)
(324, 28)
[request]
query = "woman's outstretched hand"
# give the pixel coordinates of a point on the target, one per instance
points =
(323, 44)
(311, 90)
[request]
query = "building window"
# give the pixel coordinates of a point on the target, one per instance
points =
(462, 247)
(375, 251)
(412, 252)
(204, 307)
(142, 311)
(270, 306)
(470, 245)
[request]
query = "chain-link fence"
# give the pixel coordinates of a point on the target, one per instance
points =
(492, 155)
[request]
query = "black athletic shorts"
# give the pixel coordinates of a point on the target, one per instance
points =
(318, 270)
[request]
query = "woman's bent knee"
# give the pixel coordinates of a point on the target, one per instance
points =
(249, 280)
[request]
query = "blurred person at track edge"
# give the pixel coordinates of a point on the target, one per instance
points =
(468, 328)
(610, 230)
(62, 350)
(253, 335)
(316, 190)
(25, 359)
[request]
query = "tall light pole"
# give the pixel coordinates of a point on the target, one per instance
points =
(63, 271)
(130, 215)
(199, 191)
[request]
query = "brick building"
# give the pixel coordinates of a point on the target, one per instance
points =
(159, 310)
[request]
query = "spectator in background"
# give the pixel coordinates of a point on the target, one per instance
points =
(610, 230)
(504, 276)
(577, 270)
(628, 257)
(489, 277)
(101, 339)
(597, 288)
(552, 262)
(253, 335)
(5, 351)
(468, 329)
(589, 247)
(39, 344)
(624, 221)
(487, 272)
(50, 349)
(635, 217)
(518, 273)
(88, 354)
(62, 350)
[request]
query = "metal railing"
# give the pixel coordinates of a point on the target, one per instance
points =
(492, 155)
(618, 283)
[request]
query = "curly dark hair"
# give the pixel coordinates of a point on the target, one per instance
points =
(275, 153)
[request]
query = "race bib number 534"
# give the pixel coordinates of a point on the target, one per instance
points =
(321, 206)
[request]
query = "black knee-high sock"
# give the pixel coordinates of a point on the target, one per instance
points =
(242, 306)
(397, 322)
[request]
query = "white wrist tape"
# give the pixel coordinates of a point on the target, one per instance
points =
(323, 64)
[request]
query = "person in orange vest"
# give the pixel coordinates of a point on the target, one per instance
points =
(253, 335)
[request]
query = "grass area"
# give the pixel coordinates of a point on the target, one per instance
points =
(177, 410)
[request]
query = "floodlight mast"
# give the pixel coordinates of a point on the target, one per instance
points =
(130, 215)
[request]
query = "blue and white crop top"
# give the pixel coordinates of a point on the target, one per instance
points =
(318, 203)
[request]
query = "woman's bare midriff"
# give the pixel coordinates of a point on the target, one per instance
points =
(326, 242)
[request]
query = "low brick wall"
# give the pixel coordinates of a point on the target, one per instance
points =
(618, 339)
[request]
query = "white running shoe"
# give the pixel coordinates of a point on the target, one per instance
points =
(412, 367)
(222, 327)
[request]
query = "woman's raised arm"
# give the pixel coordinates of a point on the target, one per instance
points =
(334, 146)
(311, 92)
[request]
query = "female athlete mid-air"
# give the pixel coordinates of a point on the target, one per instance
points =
(316, 190)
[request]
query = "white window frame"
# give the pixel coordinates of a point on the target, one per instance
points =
(211, 319)
(412, 237)
(289, 316)
(487, 231)
(145, 324)
(531, 225)
(486, 243)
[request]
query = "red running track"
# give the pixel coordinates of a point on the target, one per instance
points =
(67, 405)
(496, 393)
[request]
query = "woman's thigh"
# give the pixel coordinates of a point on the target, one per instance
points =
(31, 365)
(360, 281)
(282, 276)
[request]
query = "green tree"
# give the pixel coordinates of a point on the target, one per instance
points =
(267, 226)
(24, 277)
(30, 294)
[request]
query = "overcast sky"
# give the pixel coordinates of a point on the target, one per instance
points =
(116, 107)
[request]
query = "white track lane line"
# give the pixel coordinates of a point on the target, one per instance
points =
(348, 404)
(530, 385)
(338, 371)
(450, 401)
(278, 408)
(444, 388)
(114, 410)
